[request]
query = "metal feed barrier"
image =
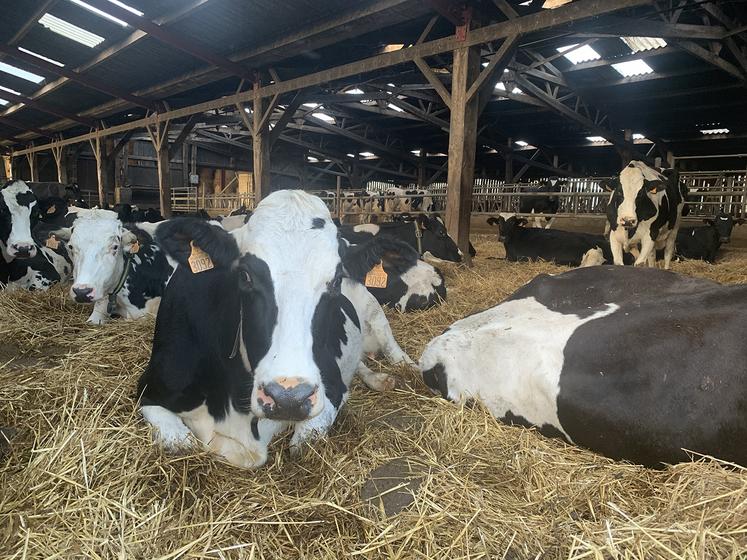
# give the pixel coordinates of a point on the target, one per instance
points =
(708, 193)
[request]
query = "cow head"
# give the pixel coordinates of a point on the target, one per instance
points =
(19, 213)
(288, 272)
(507, 227)
(634, 194)
(436, 239)
(724, 223)
(98, 242)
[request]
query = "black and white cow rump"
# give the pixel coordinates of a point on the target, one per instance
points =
(635, 364)
(703, 243)
(26, 263)
(426, 234)
(267, 333)
(541, 201)
(646, 207)
(552, 245)
(117, 267)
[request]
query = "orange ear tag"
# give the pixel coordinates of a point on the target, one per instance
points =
(52, 209)
(199, 260)
(52, 242)
(135, 247)
(376, 277)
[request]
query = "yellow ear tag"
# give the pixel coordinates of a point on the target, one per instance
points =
(135, 247)
(199, 260)
(52, 242)
(52, 209)
(376, 277)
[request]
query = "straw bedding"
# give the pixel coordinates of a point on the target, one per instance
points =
(79, 476)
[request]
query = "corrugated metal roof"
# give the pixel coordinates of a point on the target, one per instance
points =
(638, 44)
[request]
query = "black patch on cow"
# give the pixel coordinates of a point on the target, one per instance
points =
(25, 198)
(148, 272)
(436, 379)
(260, 306)
(317, 223)
(328, 332)
(358, 260)
(547, 430)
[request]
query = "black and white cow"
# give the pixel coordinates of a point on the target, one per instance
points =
(269, 337)
(646, 207)
(703, 243)
(26, 264)
(117, 267)
(552, 245)
(425, 234)
(540, 202)
(635, 364)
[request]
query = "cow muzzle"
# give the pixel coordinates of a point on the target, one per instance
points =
(82, 293)
(22, 250)
(627, 223)
(288, 398)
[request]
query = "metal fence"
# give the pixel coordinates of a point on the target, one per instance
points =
(708, 193)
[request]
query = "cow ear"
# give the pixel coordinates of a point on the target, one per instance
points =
(654, 186)
(130, 242)
(175, 237)
(495, 221)
(358, 260)
(609, 185)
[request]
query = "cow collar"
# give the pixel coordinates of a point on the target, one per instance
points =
(419, 236)
(112, 304)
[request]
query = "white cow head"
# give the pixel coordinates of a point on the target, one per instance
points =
(98, 241)
(634, 194)
(19, 213)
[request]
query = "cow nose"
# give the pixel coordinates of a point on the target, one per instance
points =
(83, 294)
(629, 222)
(23, 251)
(287, 398)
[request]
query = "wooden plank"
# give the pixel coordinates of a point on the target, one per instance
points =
(462, 147)
(260, 148)
(711, 58)
(496, 65)
(430, 75)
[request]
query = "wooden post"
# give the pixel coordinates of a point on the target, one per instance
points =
(100, 156)
(462, 146)
(422, 171)
(260, 147)
(60, 159)
(509, 175)
(31, 158)
(8, 167)
(159, 136)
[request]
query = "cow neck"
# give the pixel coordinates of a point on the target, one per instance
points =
(418, 236)
(112, 304)
(239, 331)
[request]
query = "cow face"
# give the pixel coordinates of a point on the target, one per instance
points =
(19, 213)
(436, 239)
(635, 193)
(507, 227)
(98, 241)
(724, 224)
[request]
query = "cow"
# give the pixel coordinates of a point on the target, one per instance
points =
(561, 247)
(426, 234)
(703, 243)
(646, 206)
(541, 203)
(117, 267)
(25, 263)
(634, 364)
(421, 200)
(593, 257)
(410, 284)
(262, 328)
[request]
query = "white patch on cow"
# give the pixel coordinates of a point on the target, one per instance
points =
(592, 257)
(315, 428)
(20, 220)
(171, 433)
(631, 180)
(302, 262)
(373, 229)
(230, 223)
(420, 280)
(493, 356)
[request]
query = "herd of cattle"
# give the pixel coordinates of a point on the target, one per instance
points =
(264, 318)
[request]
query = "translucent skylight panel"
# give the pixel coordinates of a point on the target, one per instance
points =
(3, 102)
(596, 139)
(580, 54)
(638, 44)
(324, 117)
(367, 154)
(637, 136)
(521, 143)
(98, 12)
(714, 131)
(310, 105)
(395, 108)
(126, 7)
(630, 68)
(19, 73)
(355, 91)
(42, 57)
(67, 29)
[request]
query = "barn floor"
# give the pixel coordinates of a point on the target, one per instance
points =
(80, 478)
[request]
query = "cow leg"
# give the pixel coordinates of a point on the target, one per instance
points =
(550, 222)
(616, 246)
(234, 441)
(99, 316)
(170, 432)
(316, 427)
(378, 337)
(647, 247)
(669, 250)
(375, 381)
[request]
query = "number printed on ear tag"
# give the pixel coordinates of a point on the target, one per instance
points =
(199, 260)
(52, 242)
(376, 277)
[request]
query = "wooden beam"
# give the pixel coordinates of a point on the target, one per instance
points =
(60, 159)
(452, 11)
(534, 22)
(74, 76)
(621, 26)
(13, 123)
(33, 169)
(159, 135)
(485, 82)
(47, 108)
(430, 75)
(186, 129)
(711, 58)
(462, 147)
(260, 147)
(506, 8)
(189, 45)
(99, 154)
